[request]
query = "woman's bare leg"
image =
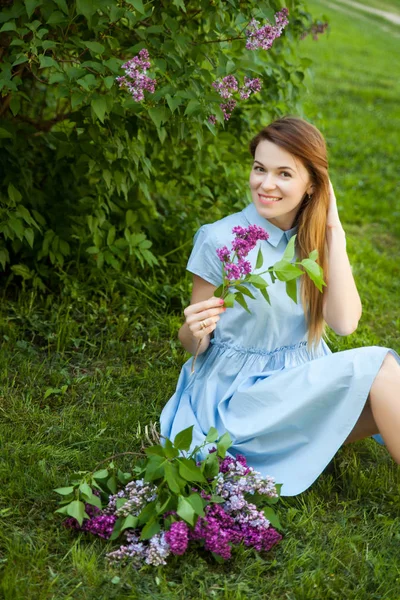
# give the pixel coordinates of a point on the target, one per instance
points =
(381, 413)
(385, 404)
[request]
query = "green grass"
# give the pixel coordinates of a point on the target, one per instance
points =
(120, 361)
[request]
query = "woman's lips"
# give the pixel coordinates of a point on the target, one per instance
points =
(268, 200)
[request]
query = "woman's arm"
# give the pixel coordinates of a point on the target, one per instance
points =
(203, 305)
(341, 305)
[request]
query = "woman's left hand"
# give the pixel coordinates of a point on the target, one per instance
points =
(332, 219)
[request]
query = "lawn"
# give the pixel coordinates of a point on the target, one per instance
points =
(81, 379)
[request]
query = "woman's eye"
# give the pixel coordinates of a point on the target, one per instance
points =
(258, 168)
(286, 174)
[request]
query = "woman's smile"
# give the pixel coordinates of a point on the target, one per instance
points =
(266, 200)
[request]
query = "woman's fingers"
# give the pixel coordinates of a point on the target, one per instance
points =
(200, 329)
(211, 303)
(202, 317)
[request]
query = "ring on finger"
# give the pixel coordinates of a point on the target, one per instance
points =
(204, 324)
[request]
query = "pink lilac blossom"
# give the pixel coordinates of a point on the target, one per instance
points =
(250, 86)
(136, 69)
(228, 108)
(178, 537)
(212, 119)
(226, 86)
(100, 525)
(263, 37)
(245, 240)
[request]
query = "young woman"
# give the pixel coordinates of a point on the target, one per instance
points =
(268, 378)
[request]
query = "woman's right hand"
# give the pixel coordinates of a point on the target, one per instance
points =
(202, 317)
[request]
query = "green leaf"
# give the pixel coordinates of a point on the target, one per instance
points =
(223, 444)
(85, 489)
(150, 529)
(314, 271)
(102, 474)
(185, 510)
(244, 290)
(229, 300)
(46, 62)
(265, 295)
(291, 289)
(212, 435)
(171, 472)
(286, 271)
(157, 115)
(92, 250)
(137, 5)
(111, 236)
(288, 255)
(112, 484)
(260, 259)
(14, 194)
(87, 8)
(64, 491)
(5, 134)
(155, 468)
(211, 466)
(99, 106)
(169, 449)
(130, 522)
(94, 47)
(272, 517)
(313, 255)
(158, 450)
(180, 4)
(10, 26)
(240, 300)
(29, 236)
(183, 439)
(62, 5)
(198, 505)
(31, 5)
(76, 509)
(218, 291)
(258, 281)
(94, 501)
(189, 471)
(193, 107)
(173, 102)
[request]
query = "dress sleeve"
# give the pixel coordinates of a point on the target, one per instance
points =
(203, 260)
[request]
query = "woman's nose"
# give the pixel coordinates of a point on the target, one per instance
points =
(268, 182)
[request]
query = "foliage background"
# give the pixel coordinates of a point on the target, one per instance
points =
(91, 178)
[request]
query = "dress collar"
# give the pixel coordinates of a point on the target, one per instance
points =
(275, 233)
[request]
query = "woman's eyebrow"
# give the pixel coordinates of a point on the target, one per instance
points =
(260, 163)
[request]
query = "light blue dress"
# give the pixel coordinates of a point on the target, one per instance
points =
(287, 408)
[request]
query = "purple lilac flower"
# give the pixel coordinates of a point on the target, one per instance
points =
(212, 119)
(227, 86)
(232, 271)
(223, 254)
(250, 86)
(228, 108)
(263, 37)
(101, 525)
(136, 69)
(178, 537)
(137, 494)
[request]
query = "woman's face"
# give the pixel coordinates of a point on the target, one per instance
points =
(278, 183)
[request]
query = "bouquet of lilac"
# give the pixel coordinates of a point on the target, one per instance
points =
(237, 271)
(174, 503)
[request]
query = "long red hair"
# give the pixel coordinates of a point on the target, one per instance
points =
(305, 142)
